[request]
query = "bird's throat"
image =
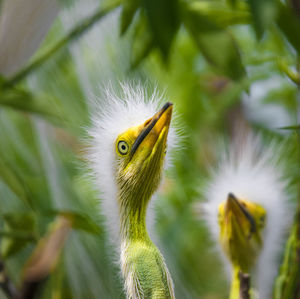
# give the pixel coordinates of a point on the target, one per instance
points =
(235, 284)
(133, 220)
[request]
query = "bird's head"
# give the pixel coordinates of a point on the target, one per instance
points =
(131, 143)
(254, 219)
(241, 224)
(140, 152)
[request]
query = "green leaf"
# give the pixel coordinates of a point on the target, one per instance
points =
(142, 42)
(129, 9)
(164, 22)
(215, 43)
(289, 24)
(221, 14)
(288, 71)
(264, 13)
(14, 182)
(296, 127)
(22, 220)
(24, 101)
(79, 221)
(287, 282)
(19, 230)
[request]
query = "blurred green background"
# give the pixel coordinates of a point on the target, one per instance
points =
(218, 61)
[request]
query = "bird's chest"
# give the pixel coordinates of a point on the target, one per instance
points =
(144, 271)
(242, 251)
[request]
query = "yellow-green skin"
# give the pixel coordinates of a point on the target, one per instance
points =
(240, 238)
(143, 267)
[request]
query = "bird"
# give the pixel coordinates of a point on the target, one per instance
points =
(130, 139)
(247, 210)
(241, 227)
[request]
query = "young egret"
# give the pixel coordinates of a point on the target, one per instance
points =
(241, 227)
(247, 213)
(128, 148)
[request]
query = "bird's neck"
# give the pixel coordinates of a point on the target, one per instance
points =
(235, 283)
(133, 219)
(235, 290)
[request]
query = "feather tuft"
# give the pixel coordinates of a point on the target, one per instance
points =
(254, 173)
(113, 114)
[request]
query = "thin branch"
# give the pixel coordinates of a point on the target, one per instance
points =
(244, 285)
(291, 74)
(75, 33)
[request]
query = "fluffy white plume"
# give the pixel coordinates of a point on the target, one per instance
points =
(253, 172)
(113, 115)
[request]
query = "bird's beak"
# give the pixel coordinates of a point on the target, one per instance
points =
(154, 128)
(234, 209)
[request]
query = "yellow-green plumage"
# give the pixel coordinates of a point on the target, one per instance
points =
(241, 226)
(128, 153)
(143, 267)
(247, 211)
(140, 153)
(145, 272)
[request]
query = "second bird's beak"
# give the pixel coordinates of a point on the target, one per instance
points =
(237, 213)
(154, 129)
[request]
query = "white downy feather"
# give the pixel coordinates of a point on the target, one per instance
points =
(112, 116)
(253, 172)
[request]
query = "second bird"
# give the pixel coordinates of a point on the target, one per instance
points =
(247, 212)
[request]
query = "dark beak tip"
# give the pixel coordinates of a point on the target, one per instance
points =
(166, 106)
(149, 124)
(231, 195)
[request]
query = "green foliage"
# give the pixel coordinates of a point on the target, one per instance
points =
(198, 51)
(205, 21)
(128, 11)
(164, 21)
(19, 229)
(221, 14)
(297, 127)
(79, 221)
(264, 14)
(287, 282)
(289, 23)
(23, 100)
(12, 179)
(142, 43)
(210, 38)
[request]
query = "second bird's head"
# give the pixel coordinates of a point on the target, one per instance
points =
(241, 226)
(140, 155)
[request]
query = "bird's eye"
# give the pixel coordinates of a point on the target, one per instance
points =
(123, 147)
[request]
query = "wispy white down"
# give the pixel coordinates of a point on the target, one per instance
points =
(253, 172)
(114, 114)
